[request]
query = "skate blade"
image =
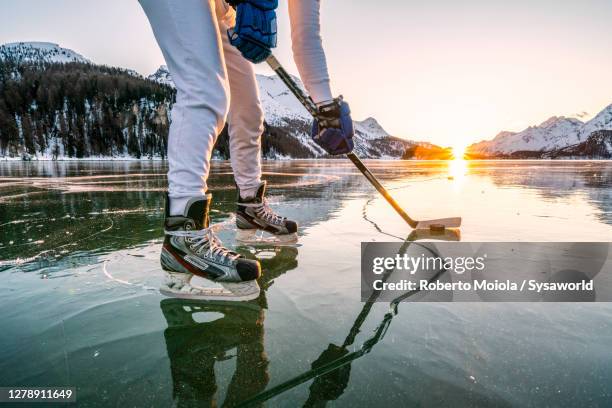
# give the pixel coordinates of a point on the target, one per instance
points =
(258, 237)
(229, 292)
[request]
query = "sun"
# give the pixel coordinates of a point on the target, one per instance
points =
(457, 168)
(459, 151)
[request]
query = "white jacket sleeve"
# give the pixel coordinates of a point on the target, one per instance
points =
(308, 48)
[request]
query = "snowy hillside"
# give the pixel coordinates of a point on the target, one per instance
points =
(36, 52)
(602, 121)
(597, 146)
(282, 110)
(117, 113)
(107, 113)
(551, 135)
(279, 104)
(162, 76)
(370, 129)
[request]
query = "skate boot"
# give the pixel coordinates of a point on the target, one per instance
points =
(191, 248)
(258, 223)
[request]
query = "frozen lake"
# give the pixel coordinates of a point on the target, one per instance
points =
(79, 272)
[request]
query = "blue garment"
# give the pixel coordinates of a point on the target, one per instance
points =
(255, 32)
(333, 128)
(262, 4)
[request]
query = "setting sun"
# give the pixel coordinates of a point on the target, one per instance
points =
(457, 168)
(459, 151)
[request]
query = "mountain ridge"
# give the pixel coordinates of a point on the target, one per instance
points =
(556, 134)
(39, 51)
(56, 104)
(26, 132)
(283, 110)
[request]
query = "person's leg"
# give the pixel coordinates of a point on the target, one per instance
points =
(246, 115)
(188, 34)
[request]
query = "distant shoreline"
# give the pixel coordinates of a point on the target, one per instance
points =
(157, 159)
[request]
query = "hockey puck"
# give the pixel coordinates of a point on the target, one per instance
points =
(437, 227)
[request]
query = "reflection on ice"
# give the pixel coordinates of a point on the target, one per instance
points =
(457, 168)
(79, 272)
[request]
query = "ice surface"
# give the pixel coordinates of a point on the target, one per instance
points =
(84, 302)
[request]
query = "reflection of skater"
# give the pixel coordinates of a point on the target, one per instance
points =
(194, 347)
(207, 46)
(332, 369)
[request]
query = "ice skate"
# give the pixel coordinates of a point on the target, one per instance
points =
(258, 224)
(191, 248)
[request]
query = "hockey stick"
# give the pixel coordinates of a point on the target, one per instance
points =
(310, 106)
(347, 359)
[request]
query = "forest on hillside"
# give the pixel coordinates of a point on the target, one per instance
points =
(81, 110)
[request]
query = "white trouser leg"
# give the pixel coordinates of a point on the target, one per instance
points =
(188, 34)
(246, 115)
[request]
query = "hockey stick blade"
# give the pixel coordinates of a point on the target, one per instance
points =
(454, 222)
(448, 234)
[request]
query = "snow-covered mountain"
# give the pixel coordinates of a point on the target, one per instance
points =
(601, 121)
(36, 52)
(597, 146)
(116, 112)
(162, 76)
(282, 110)
(107, 113)
(370, 129)
(554, 134)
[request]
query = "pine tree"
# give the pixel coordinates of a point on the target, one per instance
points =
(28, 134)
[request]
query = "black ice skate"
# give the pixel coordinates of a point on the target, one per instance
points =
(191, 248)
(258, 223)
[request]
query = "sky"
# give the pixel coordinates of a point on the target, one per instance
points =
(446, 71)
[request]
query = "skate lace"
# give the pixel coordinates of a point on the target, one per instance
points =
(206, 238)
(264, 212)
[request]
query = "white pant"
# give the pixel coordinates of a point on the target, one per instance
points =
(215, 83)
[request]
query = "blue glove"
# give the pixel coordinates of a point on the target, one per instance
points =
(333, 127)
(255, 32)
